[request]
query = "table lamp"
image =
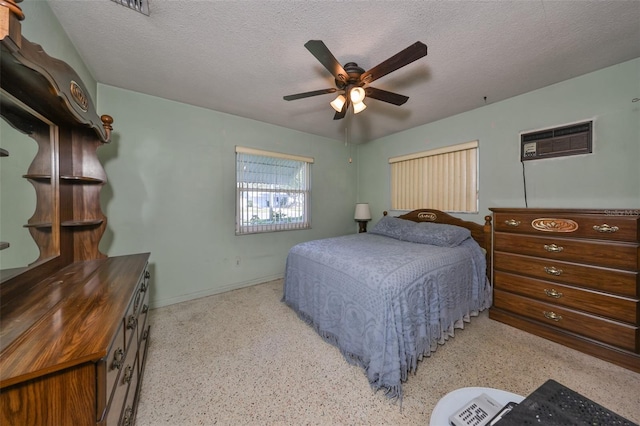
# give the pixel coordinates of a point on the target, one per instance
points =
(362, 216)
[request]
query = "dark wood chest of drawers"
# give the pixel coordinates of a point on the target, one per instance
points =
(74, 346)
(571, 276)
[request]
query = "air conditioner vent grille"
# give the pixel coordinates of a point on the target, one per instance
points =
(580, 128)
(537, 136)
(141, 6)
(557, 142)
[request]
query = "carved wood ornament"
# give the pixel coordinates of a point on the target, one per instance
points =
(546, 224)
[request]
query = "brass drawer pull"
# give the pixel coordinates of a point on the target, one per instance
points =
(131, 323)
(128, 374)
(552, 270)
(552, 248)
(118, 357)
(512, 222)
(553, 293)
(127, 419)
(552, 316)
(604, 228)
(137, 301)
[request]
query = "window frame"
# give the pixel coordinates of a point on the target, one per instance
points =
(256, 190)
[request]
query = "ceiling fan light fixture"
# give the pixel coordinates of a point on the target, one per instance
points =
(357, 95)
(359, 107)
(338, 103)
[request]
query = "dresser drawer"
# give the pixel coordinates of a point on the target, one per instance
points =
(599, 227)
(608, 331)
(127, 376)
(128, 412)
(113, 365)
(553, 246)
(610, 280)
(615, 307)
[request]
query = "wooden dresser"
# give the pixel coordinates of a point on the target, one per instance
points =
(73, 329)
(571, 276)
(73, 350)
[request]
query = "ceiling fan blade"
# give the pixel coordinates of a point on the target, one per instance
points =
(326, 58)
(308, 94)
(399, 60)
(343, 112)
(384, 96)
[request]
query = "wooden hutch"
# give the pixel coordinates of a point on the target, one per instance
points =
(73, 329)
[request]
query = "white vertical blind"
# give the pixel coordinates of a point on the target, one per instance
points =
(273, 191)
(445, 179)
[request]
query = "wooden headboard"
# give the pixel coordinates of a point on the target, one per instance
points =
(480, 233)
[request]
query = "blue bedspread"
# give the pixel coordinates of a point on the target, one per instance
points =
(385, 303)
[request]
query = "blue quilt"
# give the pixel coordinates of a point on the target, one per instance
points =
(385, 302)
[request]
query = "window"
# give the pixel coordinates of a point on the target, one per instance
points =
(273, 191)
(444, 179)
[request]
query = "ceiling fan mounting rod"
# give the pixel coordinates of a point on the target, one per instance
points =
(353, 76)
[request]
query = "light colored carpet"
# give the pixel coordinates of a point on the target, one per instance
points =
(243, 357)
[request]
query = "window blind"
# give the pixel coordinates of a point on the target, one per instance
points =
(445, 179)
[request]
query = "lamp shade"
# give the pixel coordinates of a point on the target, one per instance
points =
(362, 212)
(338, 103)
(359, 107)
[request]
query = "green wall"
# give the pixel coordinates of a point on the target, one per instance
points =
(171, 192)
(608, 178)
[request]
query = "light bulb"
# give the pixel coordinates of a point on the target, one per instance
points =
(338, 103)
(356, 94)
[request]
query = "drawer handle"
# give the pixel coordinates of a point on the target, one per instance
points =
(145, 283)
(604, 228)
(131, 324)
(128, 417)
(553, 293)
(128, 374)
(137, 302)
(552, 248)
(118, 357)
(552, 316)
(512, 222)
(552, 270)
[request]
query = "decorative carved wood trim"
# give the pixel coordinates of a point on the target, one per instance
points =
(547, 224)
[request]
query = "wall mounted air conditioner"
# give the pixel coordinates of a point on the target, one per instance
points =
(557, 142)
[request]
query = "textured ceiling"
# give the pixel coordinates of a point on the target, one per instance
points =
(242, 57)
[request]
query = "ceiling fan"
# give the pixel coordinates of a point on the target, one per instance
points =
(353, 81)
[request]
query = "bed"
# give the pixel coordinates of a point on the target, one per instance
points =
(389, 297)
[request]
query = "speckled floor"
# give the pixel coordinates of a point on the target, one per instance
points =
(244, 358)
